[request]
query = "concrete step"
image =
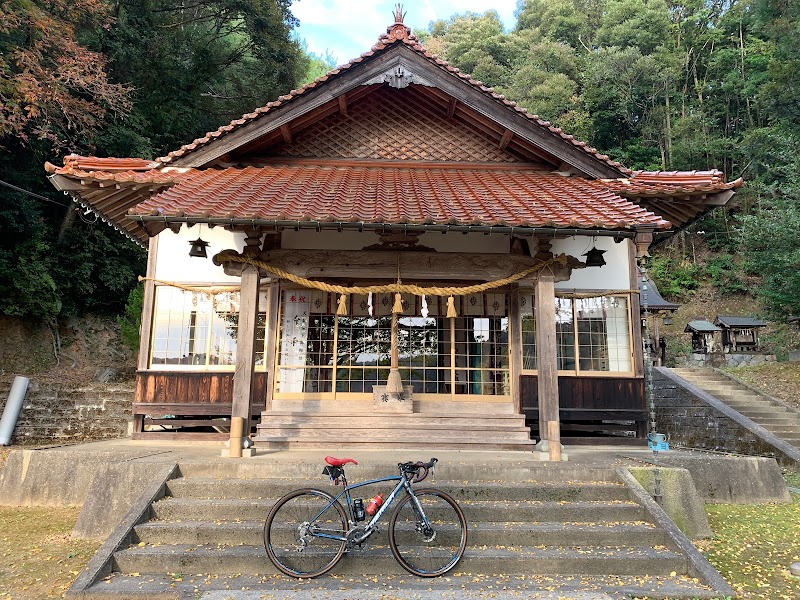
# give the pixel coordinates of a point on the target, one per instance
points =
(268, 442)
(769, 413)
(634, 533)
(310, 464)
(464, 586)
(785, 429)
(377, 560)
(273, 489)
(217, 510)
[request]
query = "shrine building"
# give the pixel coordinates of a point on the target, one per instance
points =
(393, 255)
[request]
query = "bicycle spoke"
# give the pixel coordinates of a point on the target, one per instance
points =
(428, 550)
(294, 533)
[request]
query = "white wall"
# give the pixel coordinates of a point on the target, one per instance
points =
(614, 275)
(173, 262)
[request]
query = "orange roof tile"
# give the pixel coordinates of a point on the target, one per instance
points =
(665, 183)
(396, 34)
(433, 195)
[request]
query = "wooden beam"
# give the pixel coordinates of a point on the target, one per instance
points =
(547, 355)
(271, 336)
(506, 139)
(245, 344)
(451, 108)
(343, 105)
(360, 264)
(286, 133)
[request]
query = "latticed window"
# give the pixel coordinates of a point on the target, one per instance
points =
(197, 330)
(319, 352)
(592, 334)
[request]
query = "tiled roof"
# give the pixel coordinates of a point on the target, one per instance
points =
(701, 326)
(429, 194)
(118, 170)
(727, 321)
(396, 34)
(663, 183)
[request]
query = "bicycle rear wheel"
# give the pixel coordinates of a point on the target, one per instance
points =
(422, 550)
(297, 529)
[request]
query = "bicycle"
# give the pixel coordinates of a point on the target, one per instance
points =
(308, 530)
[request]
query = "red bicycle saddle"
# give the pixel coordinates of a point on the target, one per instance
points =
(338, 462)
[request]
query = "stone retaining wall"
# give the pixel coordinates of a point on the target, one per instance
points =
(720, 359)
(55, 412)
(693, 422)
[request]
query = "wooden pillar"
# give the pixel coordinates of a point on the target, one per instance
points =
(636, 312)
(246, 345)
(547, 360)
(146, 327)
(148, 306)
(271, 335)
(515, 344)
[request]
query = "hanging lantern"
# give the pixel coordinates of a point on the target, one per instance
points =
(594, 258)
(198, 249)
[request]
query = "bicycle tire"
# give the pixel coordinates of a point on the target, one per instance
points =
(289, 533)
(434, 553)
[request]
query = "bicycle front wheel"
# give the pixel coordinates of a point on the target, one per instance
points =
(299, 533)
(433, 548)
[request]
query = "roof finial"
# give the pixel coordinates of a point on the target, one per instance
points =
(398, 30)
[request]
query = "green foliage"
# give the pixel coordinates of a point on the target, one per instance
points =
(130, 321)
(679, 346)
(771, 248)
(725, 274)
(674, 278)
(199, 66)
(780, 338)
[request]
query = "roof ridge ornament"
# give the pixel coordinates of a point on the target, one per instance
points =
(399, 15)
(398, 30)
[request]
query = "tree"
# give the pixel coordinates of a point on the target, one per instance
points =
(196, 66)
(51, 86)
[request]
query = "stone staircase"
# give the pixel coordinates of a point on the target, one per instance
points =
(581, 524)
(454, 426)
(774, 416)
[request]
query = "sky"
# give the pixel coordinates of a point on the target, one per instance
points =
(347, 28)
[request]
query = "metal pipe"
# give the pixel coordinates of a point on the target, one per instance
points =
(16, 397)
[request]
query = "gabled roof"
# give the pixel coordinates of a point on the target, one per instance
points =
(341, 151)
(737, 322)
(400, 60)
(701, 326)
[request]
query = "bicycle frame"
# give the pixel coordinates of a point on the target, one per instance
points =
(402, 484)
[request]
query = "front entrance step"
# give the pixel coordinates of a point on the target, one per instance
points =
(256, 510)
(250, 533)
(366, 429)
(468, 586)
(525, 521)
(420, 407)
(199, 488)
(378, 560)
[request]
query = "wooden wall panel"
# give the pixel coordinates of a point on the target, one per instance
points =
(595, 393)
(214, 391)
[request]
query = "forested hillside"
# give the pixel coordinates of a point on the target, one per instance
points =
(654, 84)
